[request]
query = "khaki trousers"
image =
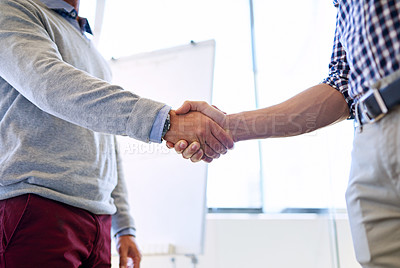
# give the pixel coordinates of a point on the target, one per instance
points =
(373, 194)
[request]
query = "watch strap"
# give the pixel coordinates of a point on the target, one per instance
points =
(167, 126)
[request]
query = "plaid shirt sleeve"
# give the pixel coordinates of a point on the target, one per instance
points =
(339, 69)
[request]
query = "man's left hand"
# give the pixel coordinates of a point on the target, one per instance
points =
(128, 249)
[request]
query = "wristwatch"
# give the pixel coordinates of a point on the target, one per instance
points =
(167, 126)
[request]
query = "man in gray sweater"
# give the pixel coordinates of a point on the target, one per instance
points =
(60, 177)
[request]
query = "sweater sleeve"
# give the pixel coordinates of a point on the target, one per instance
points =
(122, 219)
(31, 62)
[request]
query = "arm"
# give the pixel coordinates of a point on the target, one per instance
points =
(53, 83)
(314, 108)
(310, 110)
(52, 79)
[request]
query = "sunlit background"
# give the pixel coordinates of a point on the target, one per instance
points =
(288, 52)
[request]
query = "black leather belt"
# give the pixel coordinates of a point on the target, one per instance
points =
(375, 104)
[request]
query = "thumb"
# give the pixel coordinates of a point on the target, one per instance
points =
(169, 144)
(185, 108)
(218, 109)
(203, 107)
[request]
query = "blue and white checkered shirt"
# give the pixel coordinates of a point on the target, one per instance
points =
(366, 46)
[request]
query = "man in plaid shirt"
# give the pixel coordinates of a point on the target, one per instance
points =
(364, 84)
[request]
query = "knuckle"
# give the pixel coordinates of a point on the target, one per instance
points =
(207, 160)
(218, 148)
(212, 154)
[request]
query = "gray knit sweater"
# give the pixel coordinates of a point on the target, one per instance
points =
(59, 114)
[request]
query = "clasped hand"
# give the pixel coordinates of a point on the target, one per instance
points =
(202, 126)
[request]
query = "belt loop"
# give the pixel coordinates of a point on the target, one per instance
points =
(358, 125)
(379, 100)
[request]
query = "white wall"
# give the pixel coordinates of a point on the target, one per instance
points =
(262, 241)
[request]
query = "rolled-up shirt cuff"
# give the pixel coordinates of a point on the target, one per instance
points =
(158, 125)
(127, 231)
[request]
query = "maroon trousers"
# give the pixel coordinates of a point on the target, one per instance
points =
(38, 232)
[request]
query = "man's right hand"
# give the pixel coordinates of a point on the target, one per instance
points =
(195, 126)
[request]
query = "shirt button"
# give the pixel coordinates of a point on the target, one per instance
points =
(73, 14)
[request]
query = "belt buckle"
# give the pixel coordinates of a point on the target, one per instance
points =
(364, 111)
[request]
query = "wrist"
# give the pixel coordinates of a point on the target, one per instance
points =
(127, 231)
(239, 126)
(231, 126)
(169, 133)
(167, 126)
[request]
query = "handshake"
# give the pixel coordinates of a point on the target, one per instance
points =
(202, 132)
(199, 131)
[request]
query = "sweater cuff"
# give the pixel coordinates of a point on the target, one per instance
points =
(158, 125)
(126, 231)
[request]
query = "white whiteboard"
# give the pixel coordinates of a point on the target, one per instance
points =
(167, 193)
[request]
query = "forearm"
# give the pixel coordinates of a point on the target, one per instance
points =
(310, 110)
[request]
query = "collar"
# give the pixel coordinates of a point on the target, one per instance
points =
(67, 11)
(336, 3)
(60, 4)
